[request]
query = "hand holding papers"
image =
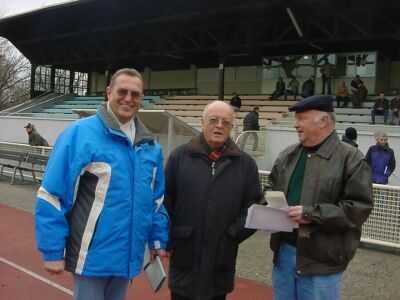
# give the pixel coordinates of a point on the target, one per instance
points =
(273, 217)
(155, 273)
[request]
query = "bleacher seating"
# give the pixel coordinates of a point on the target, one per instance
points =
(64, 110)
(190, 108)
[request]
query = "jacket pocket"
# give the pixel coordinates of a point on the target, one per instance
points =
(182, 247)
(226, 254)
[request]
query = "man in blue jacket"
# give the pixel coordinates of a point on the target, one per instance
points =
(381, 159)
(101, 197)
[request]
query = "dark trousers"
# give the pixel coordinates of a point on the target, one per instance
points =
(344, 99)
(326, 80)
(385, 114)
(245, 137)
(175, 296)
(355, 101)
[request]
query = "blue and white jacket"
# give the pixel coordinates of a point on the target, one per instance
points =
(101, 199)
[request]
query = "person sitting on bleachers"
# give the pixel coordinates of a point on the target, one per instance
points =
(342, 94)
(381, 107)
(293, 88)
(235, 102)
(394, 108)
(308, 87)
(279, 89)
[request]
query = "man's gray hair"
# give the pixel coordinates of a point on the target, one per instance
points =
(331, 117)
(216, 101)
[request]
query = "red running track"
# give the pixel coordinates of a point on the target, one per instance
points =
(22, 275)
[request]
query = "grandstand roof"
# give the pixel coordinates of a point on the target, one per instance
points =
(90, 35)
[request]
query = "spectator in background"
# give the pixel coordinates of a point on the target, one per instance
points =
(360, 95)
(292, 88)
(34, 137)
(101, 198)
(210, 184)
(342, 94)
(329, 192)
(250, 123)
(236, 102)
(355, 83)
(394, 108)
(350, 136)
(381, 159)
(326, 74)
(279, 89)
(308, 88)
(380, 108)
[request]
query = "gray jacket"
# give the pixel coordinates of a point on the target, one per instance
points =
(337, 198)
(35, 139)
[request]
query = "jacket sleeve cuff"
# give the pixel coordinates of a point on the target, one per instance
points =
(57, 255)
(153, 245)
(307, 213)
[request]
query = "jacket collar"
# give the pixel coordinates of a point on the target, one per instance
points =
(327, 147)
(142, 133)
(195, 147)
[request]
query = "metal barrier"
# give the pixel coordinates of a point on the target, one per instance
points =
(383, 224)
(252, 141)
(27, 149)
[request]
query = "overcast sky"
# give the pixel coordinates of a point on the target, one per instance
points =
(12, 7)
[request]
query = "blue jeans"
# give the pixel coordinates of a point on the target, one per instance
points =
(288, 285)
(100, 288)
(385, 114)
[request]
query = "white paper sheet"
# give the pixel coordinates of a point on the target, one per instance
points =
(269, 219)
(276, 199)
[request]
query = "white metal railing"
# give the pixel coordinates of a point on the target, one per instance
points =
(383, 224)
(252, 141)
(25, 148)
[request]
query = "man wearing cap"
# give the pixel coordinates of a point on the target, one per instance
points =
(327, 184)
(350, 136)
(35, 139)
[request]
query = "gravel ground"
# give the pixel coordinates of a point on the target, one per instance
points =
(372, 274)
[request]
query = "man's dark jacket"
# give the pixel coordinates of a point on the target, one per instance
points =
(250, 121)
(383, 104)
(349, 141)
(207, 203)
(337, 198)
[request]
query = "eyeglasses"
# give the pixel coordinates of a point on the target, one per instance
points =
(214, 122)
(123, 93)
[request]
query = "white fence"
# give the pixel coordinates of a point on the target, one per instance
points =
(383, 224)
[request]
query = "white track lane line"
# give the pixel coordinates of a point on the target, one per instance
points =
(57, 286)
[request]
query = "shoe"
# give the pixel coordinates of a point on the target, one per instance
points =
(384, 123)
(391, 123)
(371, 123)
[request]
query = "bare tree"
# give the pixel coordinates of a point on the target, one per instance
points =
(14, 75)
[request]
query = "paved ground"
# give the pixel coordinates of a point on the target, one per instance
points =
(372, 274)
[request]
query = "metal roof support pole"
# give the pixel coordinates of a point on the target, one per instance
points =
(33, 74)
(170, 134)
(221, 81)
(52, 78)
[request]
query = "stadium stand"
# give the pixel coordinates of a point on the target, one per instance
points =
(190, 108)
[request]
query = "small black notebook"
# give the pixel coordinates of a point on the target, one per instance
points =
(155, 273)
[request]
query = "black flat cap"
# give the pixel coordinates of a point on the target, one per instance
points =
(317, 102)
